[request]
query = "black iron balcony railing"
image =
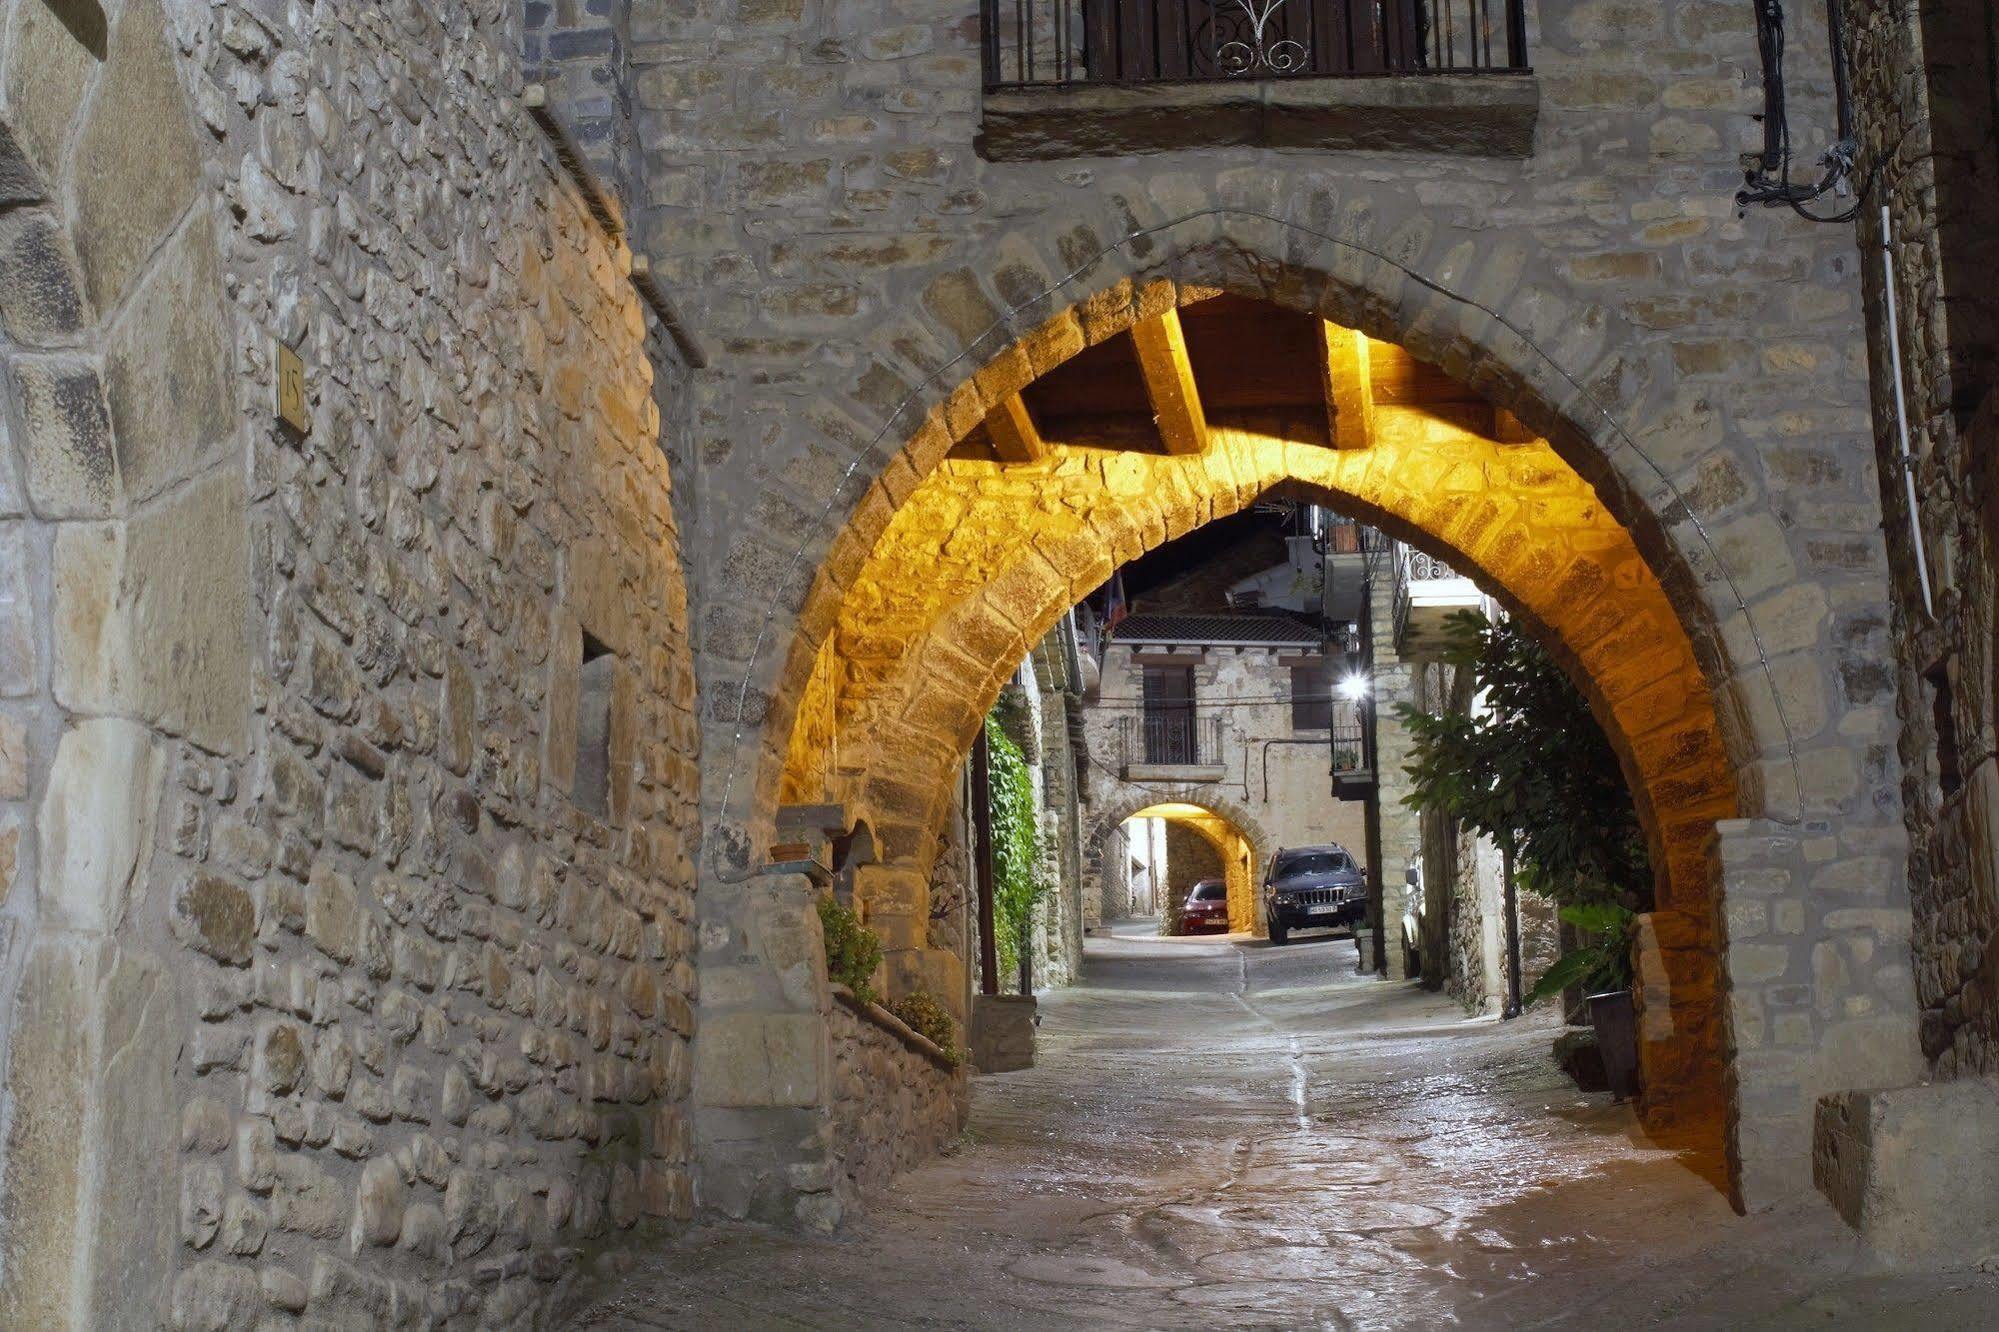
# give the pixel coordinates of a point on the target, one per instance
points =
(1170, 737)
(1349, 747)
(1039, 43)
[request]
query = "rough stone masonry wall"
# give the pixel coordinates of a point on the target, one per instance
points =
(326, 998)
(1190, 857)
(1395, 681)
(892, 1107)
(1061, 914)
(1924, 114)
(1475, 930)
(814, 193)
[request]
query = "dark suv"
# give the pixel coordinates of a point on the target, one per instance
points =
(1310, 887)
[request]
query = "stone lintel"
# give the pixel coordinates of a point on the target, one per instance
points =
(1486, 115)
(793, 821)
(1912, 1169)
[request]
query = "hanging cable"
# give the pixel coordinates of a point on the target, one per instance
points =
(1769, 184)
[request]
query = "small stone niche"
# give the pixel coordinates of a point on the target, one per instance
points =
(591, 789)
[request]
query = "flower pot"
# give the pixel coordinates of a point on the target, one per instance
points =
(1616, 1026)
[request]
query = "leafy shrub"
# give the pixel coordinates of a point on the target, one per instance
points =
(1533, 772)
(853, 951)
(1600, 965)
(922, 1014)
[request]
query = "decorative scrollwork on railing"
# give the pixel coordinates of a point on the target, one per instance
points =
(1244, 41)
(1426, 568)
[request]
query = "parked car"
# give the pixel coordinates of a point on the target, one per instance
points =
(1313, 887)
(1206, 908)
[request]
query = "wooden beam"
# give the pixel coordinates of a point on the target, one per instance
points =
(1169, 383)
(1348, 385)
(1013, 433)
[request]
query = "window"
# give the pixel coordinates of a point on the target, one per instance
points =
(592, 789)
(1211, 890)
(1319, 862)
(1312, 696)
(1169, 714)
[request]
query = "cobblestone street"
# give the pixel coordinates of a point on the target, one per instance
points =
(1222, 1133)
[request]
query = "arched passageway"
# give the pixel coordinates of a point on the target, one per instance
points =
(1008, 542)
(1208, 845)
(1697, 644)
(1217, 817)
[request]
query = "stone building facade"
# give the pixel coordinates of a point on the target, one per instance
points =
(389, 782)
(1262, 778)
(350, 770)
(1925, 126)
(1924, 114)
(826, 179)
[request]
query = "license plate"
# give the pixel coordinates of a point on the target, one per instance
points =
(1321, 909)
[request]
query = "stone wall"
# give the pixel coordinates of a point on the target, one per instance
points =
(1190, 856)
(1924, 117)
(1113, 873)
(1397, 827)
(1477, 927)
(1061, 924)
(892, 1107)
(1925, 121)
(351, 975)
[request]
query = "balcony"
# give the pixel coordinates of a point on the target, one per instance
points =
(1073, 78)
(1427, 593)
(1353, 762)
(1170, 746)
(1352, 554)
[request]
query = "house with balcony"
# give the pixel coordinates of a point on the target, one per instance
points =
(1216, 698)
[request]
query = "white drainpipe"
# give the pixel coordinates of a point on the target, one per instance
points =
(1907, 459)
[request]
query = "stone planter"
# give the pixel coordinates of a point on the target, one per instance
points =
(1002, 1032)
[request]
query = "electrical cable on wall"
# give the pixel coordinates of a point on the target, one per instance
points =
(1769, 184)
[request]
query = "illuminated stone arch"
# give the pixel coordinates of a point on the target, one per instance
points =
(1367, 294)
(1713, 568)
(1230, 812)
(914, 662)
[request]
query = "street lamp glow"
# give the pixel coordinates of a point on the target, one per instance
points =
(1354, 687)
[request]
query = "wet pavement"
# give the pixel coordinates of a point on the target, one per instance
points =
(1222, 1133)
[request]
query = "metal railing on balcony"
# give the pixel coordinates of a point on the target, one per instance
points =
(1349, 747)
(1175, 738)
(1429, 589)
(1042, 43)
(1344, 536)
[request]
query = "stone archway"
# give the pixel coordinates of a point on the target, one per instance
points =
(1772, 730)
(1229, 812)
(911, 665)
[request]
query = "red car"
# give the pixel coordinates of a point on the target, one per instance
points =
(1206, 908)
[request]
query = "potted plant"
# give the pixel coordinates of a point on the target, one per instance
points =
(1526, 765)
(1601, 967)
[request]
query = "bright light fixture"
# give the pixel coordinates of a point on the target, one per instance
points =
(1354, 687)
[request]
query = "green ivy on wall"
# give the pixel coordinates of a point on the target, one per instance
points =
(1018, 883)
